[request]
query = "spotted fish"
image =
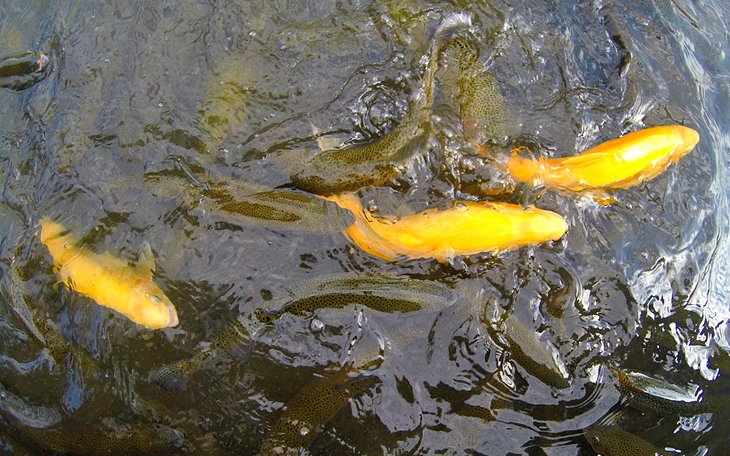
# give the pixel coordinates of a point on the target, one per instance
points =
(251, 205)
(315, 405)
(353, 167)
(86, 440)
(44, 332)
(652, 394)
(482, 106)
(380, 292)
(319, 401)
(611, 440)
(530, 352)
(224, 96)
(14, 286)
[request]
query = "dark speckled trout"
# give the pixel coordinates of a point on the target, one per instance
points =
(379, 292)
(353, 167)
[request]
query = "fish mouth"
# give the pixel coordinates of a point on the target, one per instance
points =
(173, 321)
(690, 138)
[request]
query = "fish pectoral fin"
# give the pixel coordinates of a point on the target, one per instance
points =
(603, 198)
(146, 261)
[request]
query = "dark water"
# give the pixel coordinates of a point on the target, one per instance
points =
(642, 284)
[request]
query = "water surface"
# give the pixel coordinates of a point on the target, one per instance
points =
(642, 284)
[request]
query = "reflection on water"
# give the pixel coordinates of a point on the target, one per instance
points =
(635, 290)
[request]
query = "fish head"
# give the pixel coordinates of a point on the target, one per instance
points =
(688, 139)
(151, 307)
(594, 436)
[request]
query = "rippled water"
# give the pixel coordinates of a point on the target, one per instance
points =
(642, 284)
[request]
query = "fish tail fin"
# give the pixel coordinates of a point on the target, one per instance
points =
(58, 240)
(172, 377)
(52, 231)
(450, 25)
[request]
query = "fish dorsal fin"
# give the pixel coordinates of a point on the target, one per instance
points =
(146, 260)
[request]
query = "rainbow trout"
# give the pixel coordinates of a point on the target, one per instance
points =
(529, 351)
(44, 332)
(224, 95)
(45, 430)
(307, 412)
(652, 394)
(482, 108)
(319, 401)
(14, 286)
(379, 292)
(250, 205)
(611, 440)
(353, 167)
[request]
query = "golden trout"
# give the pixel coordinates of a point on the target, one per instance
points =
(618, 163)
(108, 280)
(464, 229)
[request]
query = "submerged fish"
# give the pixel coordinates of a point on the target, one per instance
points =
(611, 440)
(307, 412)
(19, 410)
(121, 439)
(466, 228)
(44, 332)
(380, 292)
(251, 205)
(532, 353)
(20, 71)
(652, 394)
(319, 401)
(618, 163)
(14, 285)
(47, 431)
(481, 103)
(108, 280)
(350, 168)
(224, 95)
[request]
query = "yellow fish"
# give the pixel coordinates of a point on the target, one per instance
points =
(618, 163)
(464, 229)
(108, 280)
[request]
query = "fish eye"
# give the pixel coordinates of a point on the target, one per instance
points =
(152, 297)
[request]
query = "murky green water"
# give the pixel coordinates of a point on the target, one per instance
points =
(138, 88)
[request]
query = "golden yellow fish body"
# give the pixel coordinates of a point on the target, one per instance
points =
(108, 280)
(464, 229)
(618, 163)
